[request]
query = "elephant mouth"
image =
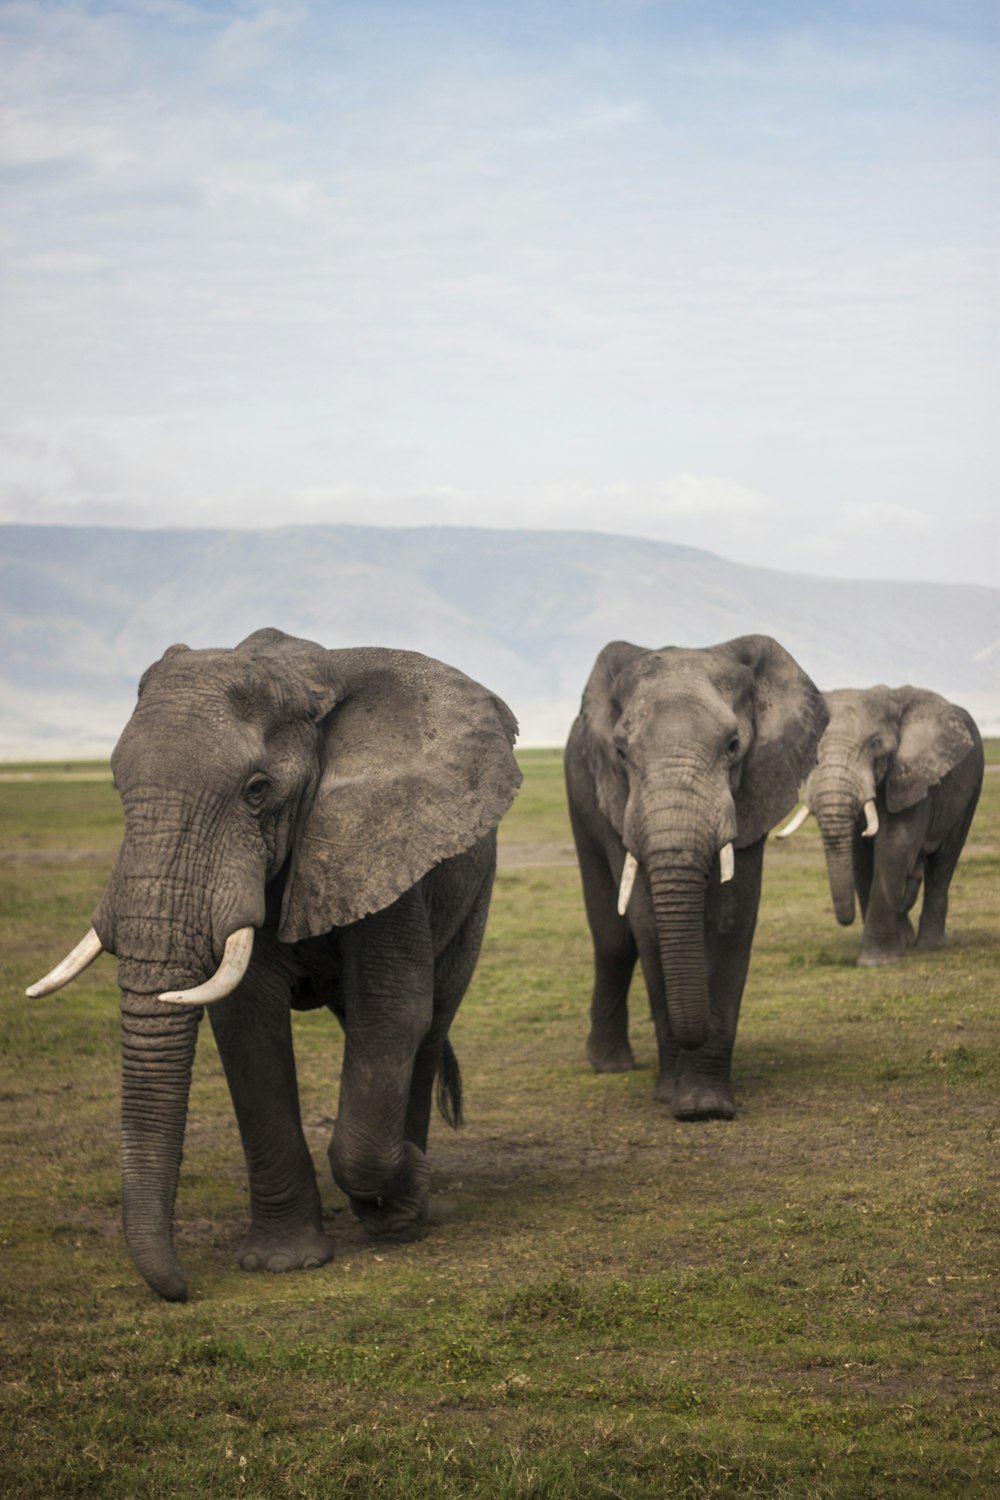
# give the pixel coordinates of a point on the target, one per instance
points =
(727, 869)
(232, 967)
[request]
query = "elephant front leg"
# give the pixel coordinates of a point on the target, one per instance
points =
(863, 855)
(253, 1032)
(615, 954)
(387, 986)
(888, 931)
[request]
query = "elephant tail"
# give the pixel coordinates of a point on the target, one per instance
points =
(449, 1086)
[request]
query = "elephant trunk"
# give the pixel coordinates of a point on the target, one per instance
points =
(836, 794)
(158, 1045)
(839, 851)
(168, 908)
(678, 896)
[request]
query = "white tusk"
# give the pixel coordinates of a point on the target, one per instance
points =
(628, 881)
(794, 823)
(727, 863)
(871, 820)
(235, 960)
(73, 964)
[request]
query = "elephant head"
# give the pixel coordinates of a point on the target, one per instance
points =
(275, 783)
(693, 752)
(883, 747)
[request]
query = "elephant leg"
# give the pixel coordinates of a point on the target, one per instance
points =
(941, 867)
(252, 1029)
(702, 1085)
(387, 984)
(863, 853)
(888, 931)
(667, 1050)
(911, 890)
(453, 971)
(615, 951)
(615, 954)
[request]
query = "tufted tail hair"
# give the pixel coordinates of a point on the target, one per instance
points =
(449, 1086)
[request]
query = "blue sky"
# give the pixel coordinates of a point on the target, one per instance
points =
(719, 274)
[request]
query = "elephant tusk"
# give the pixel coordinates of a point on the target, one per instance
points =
(871, 820)
(628, 881)
(727, 864)
(73, 964)
(794, 823)
(235, 961)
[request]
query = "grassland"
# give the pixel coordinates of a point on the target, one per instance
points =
(606, 1302)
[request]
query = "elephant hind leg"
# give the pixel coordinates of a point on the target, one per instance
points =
(401, 1208)
(435, 1058)
(937, 882)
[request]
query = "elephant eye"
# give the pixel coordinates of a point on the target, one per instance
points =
(256, 791)
(620, 752)
(733, 748)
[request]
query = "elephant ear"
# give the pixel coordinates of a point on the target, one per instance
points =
(789, 716)
(417, 764)
(934, 737)
(600, 711)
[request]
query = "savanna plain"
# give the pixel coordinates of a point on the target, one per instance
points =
(605, 1302)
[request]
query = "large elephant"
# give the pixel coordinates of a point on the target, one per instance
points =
(302, 827)
(894, 792)
(678, 765)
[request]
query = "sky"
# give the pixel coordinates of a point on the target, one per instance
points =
(718, 274)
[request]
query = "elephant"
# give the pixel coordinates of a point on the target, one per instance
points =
(894, 792)
(303, 827)
(677, 766)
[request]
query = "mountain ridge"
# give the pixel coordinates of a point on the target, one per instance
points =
(83, 611)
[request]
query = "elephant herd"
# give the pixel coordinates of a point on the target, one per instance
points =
(309, 827)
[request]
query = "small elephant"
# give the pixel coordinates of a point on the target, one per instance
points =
(894, 792)
(302, 827)
(677, 766)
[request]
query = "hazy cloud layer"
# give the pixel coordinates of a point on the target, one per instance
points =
(721, 275)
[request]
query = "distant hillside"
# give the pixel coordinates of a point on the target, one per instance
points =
(83, 611)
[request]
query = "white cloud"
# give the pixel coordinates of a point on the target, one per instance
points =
(270, 259)
(875, 522)
(706, 495)
(248, 42)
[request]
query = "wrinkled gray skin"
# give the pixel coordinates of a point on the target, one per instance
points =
(920, 758)
(676, 753)
(344, 804)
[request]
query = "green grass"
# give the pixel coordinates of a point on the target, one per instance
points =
(606, 1302)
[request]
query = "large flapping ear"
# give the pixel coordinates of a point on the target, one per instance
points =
(600, 710)
(417, 765)
(934, 737)
(789, 716)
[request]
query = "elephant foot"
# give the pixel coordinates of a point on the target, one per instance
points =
(289, 1250)
(696, 1098)
(876, 958)
(402, 1207)
(614, 1057)
(929, 941)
